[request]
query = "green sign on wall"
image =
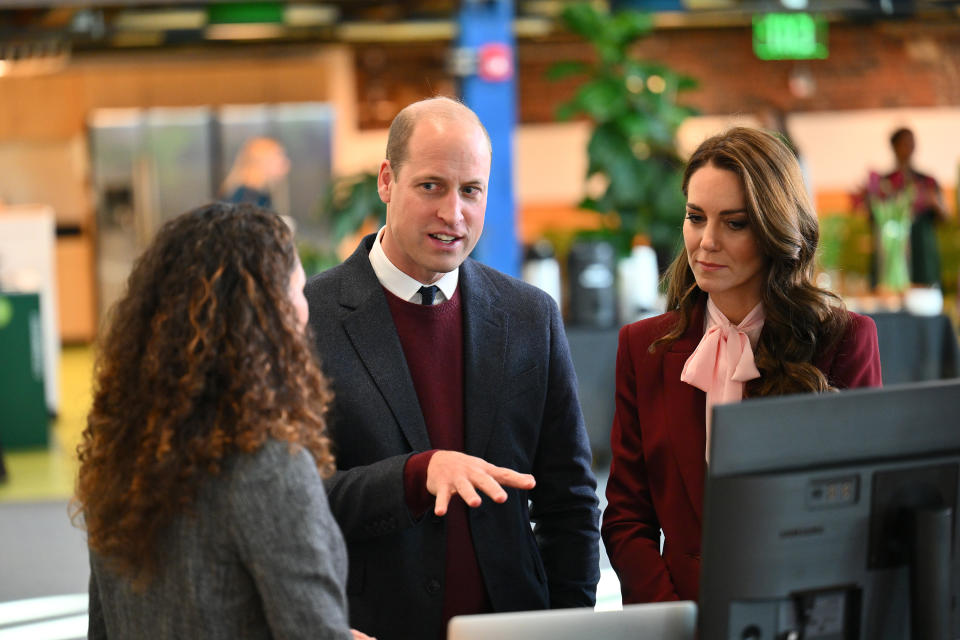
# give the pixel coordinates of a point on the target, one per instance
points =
(23, 408)
(789, 36)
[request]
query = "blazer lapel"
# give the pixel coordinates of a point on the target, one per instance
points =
(369, 325)
(484, 354)
(685, 412)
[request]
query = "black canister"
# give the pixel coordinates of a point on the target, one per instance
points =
(590, 270)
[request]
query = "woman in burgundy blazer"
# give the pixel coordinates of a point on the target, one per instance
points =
(749, 240)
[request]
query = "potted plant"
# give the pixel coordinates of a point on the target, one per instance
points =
(633, 105)
(350, 204)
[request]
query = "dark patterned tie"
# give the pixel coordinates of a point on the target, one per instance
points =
(427, 294)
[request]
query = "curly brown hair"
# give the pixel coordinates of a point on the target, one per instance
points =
(202, 358)
(802, 320)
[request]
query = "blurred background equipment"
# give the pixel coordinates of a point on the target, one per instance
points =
(22, 405)
(150, 165)
(593, 292)
(542, 270)
(28, 268)
(638, 281)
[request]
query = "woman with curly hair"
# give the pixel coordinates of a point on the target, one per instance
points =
(744, 320)
(201, 466)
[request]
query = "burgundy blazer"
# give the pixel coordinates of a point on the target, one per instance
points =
(658, 444)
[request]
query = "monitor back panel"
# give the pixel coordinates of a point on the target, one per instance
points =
(655, 621)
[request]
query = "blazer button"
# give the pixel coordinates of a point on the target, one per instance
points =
(433, 586)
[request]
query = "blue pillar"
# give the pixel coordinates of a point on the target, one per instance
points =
(489, 88)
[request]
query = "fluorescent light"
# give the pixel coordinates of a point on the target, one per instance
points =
(397, 31)
(163, 20)
(244, 31)
(309, 15)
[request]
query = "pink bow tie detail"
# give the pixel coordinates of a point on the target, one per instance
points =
(723, 360)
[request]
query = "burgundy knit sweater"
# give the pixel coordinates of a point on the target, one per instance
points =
(432, 340)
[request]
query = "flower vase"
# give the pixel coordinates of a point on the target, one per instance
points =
(892, 216)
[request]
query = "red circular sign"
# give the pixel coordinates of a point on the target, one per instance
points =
(495, 62)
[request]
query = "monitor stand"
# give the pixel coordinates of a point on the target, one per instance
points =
(930, 573)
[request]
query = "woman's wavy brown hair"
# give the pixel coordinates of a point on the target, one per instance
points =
(802, 320)
(202, 359)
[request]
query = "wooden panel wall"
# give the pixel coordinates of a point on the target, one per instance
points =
(55, 107)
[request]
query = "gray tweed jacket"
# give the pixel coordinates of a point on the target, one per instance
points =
(262, 558)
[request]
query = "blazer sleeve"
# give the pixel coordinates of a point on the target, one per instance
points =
(288, 541)
(856, 362)
(370, 500)
(631, 528)
(564, 505)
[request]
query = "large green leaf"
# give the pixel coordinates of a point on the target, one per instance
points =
(669, 205)
(567, 110)
(601, 99)
(634, 126)
(584, 20)
(607, 149)
(629, 25)
(350, 201)
(686, 83)
(589, 203)
(610, 52)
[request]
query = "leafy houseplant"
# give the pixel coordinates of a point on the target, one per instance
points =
(633, 106)
(347, 205)
(350, 202)
(844, 250)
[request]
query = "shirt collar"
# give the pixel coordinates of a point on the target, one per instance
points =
(400, 284)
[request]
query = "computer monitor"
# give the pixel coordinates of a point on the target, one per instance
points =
(654, 621)
(833, 517)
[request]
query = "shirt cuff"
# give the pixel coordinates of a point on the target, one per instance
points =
(419, 500)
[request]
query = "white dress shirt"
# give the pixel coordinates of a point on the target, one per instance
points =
(403, 286)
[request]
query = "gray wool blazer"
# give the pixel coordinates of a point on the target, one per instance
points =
(262, 558)
(520, 411)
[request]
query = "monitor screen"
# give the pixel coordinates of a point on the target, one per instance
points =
(833, 517)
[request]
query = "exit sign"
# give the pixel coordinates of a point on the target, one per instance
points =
(789, 36)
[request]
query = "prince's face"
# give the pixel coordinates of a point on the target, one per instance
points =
(437, 198)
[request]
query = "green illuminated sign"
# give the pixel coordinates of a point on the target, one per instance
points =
(789, 36)
(245, 12)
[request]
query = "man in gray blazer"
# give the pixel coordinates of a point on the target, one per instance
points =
(455, 419)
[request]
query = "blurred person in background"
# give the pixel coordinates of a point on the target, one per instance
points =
(745, 321)
(200, 482)
(928, 208)
(259, 167)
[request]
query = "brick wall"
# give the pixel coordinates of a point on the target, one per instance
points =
(871, 65)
